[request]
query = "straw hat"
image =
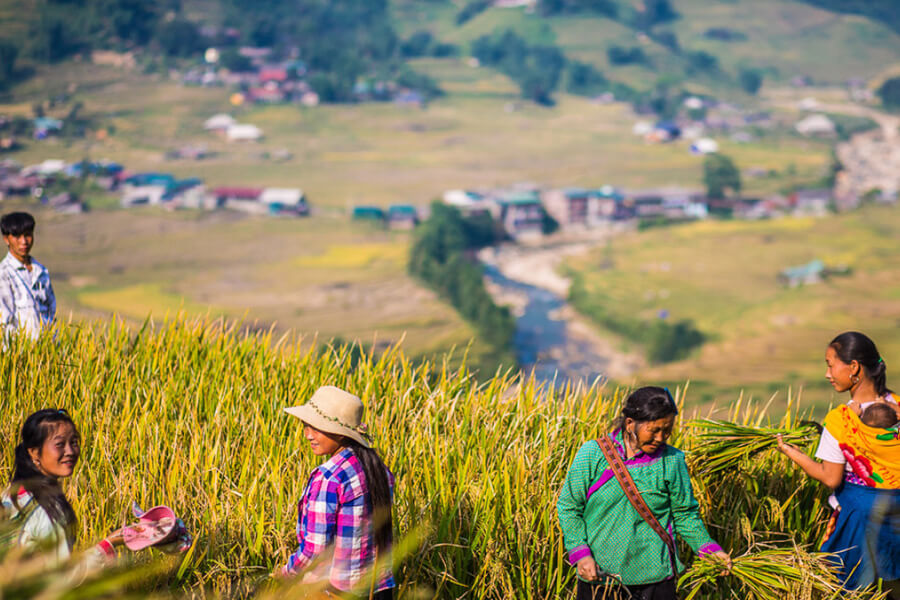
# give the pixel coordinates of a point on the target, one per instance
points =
(333, 410)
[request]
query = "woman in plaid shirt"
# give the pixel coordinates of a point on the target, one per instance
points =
(344, 526)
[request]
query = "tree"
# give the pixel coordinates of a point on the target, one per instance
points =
(8, 54)
(234, 61)
(179, 37)
(654, 12)
(536, 69)
(472, 9)
(418, 44)
(584, 80)
(619, 55)
(720, 175)
(607, 8)
(666, 38)
(889, 92)
(700, 61)
(750, 80)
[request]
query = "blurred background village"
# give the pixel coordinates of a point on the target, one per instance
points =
(666, 190)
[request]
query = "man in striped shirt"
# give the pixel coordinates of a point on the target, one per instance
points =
(27, 301)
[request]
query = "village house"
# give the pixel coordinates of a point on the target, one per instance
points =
(46, 126)
(810, 202)
(284, 201)
(145, 190)
(243, 199)
(51, 166)
(816, 125)
(219, 123)
(521, 212)
(187, 193)
(810, 273)
(581, 208)
(240, 132)
(163, 189)
(470, 203)
(672, 203)
(402, 216)
(368, 213)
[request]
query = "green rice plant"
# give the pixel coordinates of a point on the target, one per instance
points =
(721, 445)
(768, 574)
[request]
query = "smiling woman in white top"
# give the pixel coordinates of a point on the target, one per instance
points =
(38, 514)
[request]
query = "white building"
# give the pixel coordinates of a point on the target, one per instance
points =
(284, 200)
(240, 132)
(219, 122)
(815, 125)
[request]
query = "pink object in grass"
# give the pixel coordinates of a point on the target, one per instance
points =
(155, 526)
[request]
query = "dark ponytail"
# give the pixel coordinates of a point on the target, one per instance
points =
(852, 345)
(378, 499)
(45, 490)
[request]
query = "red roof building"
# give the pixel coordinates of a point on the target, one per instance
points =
(238, 193)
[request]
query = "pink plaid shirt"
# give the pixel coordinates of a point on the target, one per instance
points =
(333, 518)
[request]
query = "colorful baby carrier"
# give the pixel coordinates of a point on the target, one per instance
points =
(866, 536)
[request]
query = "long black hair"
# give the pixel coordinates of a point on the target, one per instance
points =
(378, 499)
(45, 490)
(853, 345)
(646, 404)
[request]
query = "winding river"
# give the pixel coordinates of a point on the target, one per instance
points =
(545, 342)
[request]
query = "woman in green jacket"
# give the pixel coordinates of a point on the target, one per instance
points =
(617, 553)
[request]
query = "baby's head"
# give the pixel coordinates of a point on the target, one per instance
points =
(880, 415)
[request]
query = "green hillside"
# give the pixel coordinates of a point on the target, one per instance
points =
(783, 38)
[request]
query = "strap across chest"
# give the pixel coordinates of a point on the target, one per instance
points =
(617, 465)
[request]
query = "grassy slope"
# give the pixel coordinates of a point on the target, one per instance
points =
(765, 337)
(793, 37)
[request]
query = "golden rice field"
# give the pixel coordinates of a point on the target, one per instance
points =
(189, 413)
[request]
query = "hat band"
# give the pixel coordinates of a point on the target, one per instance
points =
(360, 429)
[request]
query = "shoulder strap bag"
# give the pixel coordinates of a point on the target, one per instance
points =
(634, 496)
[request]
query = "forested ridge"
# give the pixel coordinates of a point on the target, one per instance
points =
(339, 41)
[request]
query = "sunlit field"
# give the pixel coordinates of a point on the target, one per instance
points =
(189, 414)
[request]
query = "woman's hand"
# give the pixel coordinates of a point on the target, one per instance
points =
(724, 557)
(781, 444)
(115, 537)
(587, 569)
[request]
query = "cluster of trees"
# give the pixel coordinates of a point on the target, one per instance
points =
(340, 41)
(883, 11)
(889, 92)
(441, 256)
(52, 30)
(608, 8)
(472, 9)
(720, 175)
(663, 340)
(423, 43)
(644, 15)
(537, 69)
(620, 55)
